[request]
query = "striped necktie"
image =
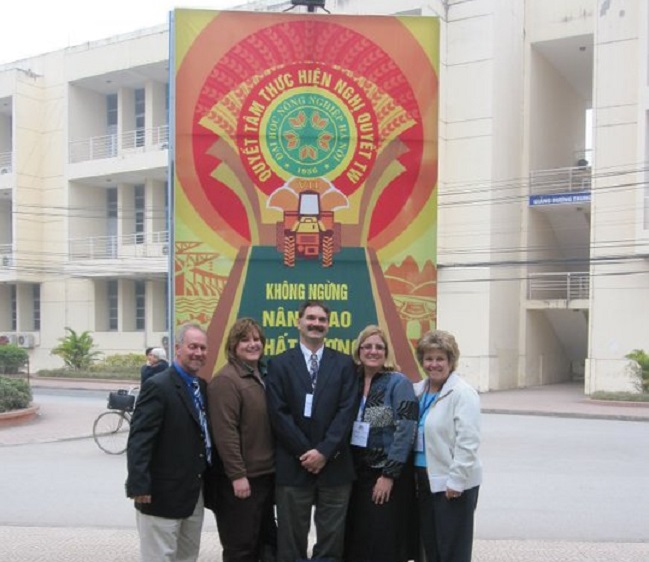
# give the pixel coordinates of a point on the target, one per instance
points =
(313, 369)
(202, 417)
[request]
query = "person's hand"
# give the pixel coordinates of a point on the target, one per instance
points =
(142, 499)
(382, 490)
(313, 461)
(241, 488)
(452, 494)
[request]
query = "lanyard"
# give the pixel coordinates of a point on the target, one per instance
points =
(427, 403)
(361, 409)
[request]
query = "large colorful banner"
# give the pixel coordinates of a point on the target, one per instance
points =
(305, 162)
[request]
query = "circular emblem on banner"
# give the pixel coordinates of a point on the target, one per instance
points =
(299, 122)
(307, 135)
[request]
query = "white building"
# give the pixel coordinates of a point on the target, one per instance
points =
(544, 211)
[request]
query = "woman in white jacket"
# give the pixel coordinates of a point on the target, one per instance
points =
(448, 469)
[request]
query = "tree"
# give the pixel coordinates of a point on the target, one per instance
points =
(12, 358)
(640, 369)
(76, 350)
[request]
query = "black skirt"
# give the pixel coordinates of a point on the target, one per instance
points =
(382, 533)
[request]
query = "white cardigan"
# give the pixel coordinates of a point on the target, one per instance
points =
(452, 436)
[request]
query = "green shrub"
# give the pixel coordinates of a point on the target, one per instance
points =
(77, 350)
(15, 394)
(116, 373)
(121, 361)
(640, 369)
(12, 359)
(619, 396)
(119, 366)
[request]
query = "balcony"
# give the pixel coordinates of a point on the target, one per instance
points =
(7, 179)
(137, 255)
(5, 163)
(560, 186)
(7, 269)
(111, 146)
(6, 255)
(561, 286)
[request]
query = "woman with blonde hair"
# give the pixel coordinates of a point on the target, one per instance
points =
(379, 523)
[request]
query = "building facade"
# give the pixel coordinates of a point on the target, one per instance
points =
(543, 243)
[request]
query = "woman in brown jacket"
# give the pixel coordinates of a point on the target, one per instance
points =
(243, 495)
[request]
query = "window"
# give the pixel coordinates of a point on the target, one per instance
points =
(111, 123)
(14, 309)
(111, 202)
(111, 113)
(166, 204)
(138, 192)
(113, 304)
(167, 104)
(111, 222)
(139, 117)
(36, 296)
(166, 318)
(140, 305)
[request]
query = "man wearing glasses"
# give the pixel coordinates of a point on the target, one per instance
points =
(312, 393)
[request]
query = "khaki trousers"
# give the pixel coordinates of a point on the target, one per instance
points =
(170, 540)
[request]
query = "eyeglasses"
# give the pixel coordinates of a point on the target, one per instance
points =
(371, 346)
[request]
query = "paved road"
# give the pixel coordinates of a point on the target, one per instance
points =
(545, 478)
(556, 489)
(564, 479)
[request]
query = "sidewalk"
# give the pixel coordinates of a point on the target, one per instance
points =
(560, 400)
(56, 421)
(34, 544)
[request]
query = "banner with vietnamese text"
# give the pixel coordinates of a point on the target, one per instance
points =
(305, 167)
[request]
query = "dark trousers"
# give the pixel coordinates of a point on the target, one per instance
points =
(386, 532)
(244, 525)
(445, 526)
(294, 520)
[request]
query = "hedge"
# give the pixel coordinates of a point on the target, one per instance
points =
(15, 394)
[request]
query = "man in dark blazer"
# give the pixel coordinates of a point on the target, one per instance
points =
(169, 450)
(312, 393)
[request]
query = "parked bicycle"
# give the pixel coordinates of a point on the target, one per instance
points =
(110, 430)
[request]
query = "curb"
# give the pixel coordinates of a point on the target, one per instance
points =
(81, 383)
(17, 417)
(579, 415)
(621, 403)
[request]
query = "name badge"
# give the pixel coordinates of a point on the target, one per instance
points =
(419, 442)
(308, 405)
(360, 433)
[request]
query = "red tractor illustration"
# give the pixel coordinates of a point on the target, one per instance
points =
(309, 232)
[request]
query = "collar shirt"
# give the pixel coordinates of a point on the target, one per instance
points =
(308, 353)
(187, 378)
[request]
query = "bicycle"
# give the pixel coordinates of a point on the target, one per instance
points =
(110, 430)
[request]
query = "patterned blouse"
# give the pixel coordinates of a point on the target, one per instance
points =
(392, 411)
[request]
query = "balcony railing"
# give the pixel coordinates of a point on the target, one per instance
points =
(5, 162)
(6, 255)
(560, 180)
(109, 146)
(562, 286)
(139, 245)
